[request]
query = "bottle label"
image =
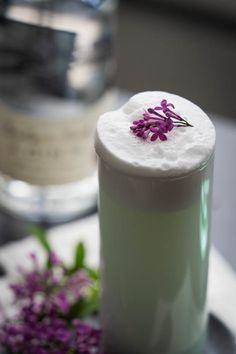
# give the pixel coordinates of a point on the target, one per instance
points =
(44, 151)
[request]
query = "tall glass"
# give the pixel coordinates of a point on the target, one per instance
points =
(154, 261)
(155, 209)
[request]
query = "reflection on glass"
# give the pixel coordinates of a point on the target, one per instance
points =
(204, 216)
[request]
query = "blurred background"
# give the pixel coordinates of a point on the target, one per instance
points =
(182, 46)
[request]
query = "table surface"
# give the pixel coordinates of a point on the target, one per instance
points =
(224, 197)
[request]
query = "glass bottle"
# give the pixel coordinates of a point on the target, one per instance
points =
(56, 67)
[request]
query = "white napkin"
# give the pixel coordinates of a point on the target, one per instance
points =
(222, 279)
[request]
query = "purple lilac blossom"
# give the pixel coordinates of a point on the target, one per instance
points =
(43, 324)
(55, 260)
(157, 122)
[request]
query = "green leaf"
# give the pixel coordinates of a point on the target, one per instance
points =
(83, 308)
(93, 273)
(76, 310)
(79, 257)
(41, 236)
(89, 309)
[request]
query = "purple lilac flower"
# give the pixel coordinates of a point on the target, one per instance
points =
(54, 259)
(157, 122)
(88, 338)
(79, 283)
(43, 323)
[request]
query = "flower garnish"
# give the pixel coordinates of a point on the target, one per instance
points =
(53, 307)
(157, 122)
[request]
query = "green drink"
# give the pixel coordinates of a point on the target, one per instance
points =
(154, 225)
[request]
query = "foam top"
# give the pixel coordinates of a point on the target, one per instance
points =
(185, 150)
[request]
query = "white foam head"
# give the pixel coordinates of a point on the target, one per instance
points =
(185, 150)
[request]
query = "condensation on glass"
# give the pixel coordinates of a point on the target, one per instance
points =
(154, 261)
(56, 68)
